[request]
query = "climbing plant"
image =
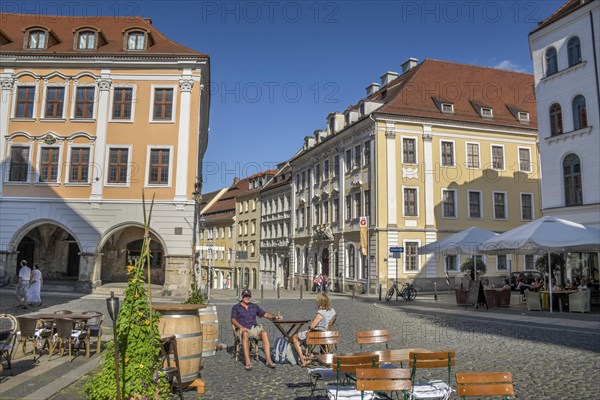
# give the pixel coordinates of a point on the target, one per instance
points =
(138, 339)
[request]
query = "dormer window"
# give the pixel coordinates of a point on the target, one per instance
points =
(136, 40)
(86, 40)
(447, 108)
(4, 39)
(523, 116)
(37, 39)
(486, 112)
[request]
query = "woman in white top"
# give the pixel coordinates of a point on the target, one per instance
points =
(319, 323)
(34, 295)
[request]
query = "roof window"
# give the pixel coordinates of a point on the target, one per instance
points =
(486, 112)
(37, 39)
(136, 40)
(447, 108)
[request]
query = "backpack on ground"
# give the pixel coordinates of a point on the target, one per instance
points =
(283, 352)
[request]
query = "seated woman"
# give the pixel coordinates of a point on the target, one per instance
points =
(505, 285)
(486, 284)
(537, 285)
(319, 323)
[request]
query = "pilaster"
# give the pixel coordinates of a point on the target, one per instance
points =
(183, 139)
(390, 140)
(104, 83)
(7, 82)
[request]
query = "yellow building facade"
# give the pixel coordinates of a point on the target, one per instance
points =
(94, 113)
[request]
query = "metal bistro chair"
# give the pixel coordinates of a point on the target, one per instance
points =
(348, 365)
(431, 389)
(8, 336)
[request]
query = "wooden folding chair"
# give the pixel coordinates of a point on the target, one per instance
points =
(347, 365)
(477, 384)
(391, 380)
(324, 341)
(170, 365)
(431, 389)
(237, 344)
(373, 337)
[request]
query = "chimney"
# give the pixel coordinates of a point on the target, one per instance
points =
(388, 77)
(372, 88)
(409, 64)
(148, 20)
(236, 180)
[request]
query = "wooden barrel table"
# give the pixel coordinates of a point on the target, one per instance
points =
(210, 330)
(182, 321)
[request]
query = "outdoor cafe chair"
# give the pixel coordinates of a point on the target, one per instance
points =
(8, 336)
(94, 326)
(373, 337)
(580, 301)
(431, 389)
(33, 331)
(67, 335)
(324, 341)
(170, 363)
(378, 380)
(533, 300)
(237, 344)
(477, 384)
(345, 368)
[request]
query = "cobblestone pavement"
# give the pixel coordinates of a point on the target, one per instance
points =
(553, 361)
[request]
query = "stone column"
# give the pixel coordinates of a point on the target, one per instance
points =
(390, 136)
(85, 282)
(7, 82)
(183, 140)
(429, 174)
(99, 174)
(178, 276)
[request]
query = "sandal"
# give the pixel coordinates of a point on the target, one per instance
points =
(271, 365)
(305, 364)
(248, 367)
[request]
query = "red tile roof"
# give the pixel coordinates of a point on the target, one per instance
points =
(564, 10)
(227, 202)
(63, 28)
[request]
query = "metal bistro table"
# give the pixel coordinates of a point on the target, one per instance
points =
(385, 356)
(289, 327)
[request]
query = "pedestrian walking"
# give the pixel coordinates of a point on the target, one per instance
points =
(34, 294)
(23, 285)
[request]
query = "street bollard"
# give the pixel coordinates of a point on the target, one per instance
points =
(300, 292)
(380, 292)
(278, 292)
(353, 292)
(262, 291)
(435, 291)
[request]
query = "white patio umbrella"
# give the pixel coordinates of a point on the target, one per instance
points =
(464, 242)
(544, 235)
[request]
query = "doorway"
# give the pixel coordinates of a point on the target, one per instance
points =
(325, 262)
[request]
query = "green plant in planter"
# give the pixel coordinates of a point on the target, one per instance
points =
(466, 266)
(557, 260)
(138, 338)
(195, 297)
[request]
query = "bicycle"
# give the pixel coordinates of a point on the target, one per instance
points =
(407, 291)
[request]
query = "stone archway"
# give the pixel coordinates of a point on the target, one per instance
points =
(122, 247)
(53, 248)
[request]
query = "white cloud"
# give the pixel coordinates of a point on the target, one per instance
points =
(509, 65)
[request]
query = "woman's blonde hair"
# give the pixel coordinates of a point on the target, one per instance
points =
(323, 301)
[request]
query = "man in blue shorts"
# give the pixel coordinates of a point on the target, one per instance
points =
(243, 317)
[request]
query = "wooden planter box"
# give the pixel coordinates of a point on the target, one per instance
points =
(461, 296)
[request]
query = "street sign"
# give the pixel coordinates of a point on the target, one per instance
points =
(396, 250)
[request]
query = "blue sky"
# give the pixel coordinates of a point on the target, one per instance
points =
(279, 67)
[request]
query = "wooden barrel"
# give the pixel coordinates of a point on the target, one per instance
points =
(210, 330)
(181, 320)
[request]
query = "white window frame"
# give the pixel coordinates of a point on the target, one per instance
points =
(78, 36)
(134, 90)
(77, 85)
(63, 117)
(129, 147)
(151, 106)
(467, 155)
(519, 148)
(149, 149)
(70, 147)
(532, 206)
(492, 145)
(443, 105)
(453, 153)
(455, 203)
(483, 110)
(404, 200)
(505, 205)
(481, 208)
(419, 263)
(30, 172)
(38, 162)
(34, 112)
(506, 264)
(523, 116)
(402, 137)
(136, 31)
(456, 263)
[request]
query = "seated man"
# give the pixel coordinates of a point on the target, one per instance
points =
(505, 285)
(243, 317)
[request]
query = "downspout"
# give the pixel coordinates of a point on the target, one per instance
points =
(373, 183)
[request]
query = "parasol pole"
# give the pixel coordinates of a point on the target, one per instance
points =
(550, 282)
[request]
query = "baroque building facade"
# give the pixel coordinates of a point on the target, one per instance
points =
(428, 152)
(275, 230)
(92, 113)
(564, 49)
